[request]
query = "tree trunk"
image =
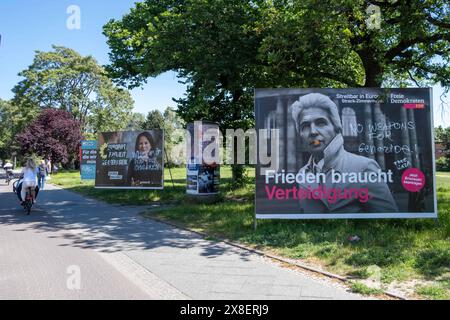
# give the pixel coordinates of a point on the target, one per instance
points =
(238, 176)
(373, 78)
(238, 170)
(372, 68)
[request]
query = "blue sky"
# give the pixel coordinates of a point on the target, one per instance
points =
(29, 25)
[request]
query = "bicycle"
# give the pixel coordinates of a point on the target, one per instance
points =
(15, 183)
(30, 196)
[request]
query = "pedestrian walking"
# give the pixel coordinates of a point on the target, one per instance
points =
(42, 174)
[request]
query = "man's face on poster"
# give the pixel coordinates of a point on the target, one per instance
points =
(316, 129)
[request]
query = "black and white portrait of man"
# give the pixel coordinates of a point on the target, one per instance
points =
(319, 128)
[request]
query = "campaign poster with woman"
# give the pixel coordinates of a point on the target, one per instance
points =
(131, 160)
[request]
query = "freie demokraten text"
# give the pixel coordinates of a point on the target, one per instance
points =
(313, 186)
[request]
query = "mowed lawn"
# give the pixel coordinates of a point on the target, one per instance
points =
(174, 188)
(412, 256)
(443, 180)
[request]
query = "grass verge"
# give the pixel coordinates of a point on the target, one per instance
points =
(361, 288)
(402, 250)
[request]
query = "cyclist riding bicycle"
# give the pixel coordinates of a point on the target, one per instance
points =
(28, 180)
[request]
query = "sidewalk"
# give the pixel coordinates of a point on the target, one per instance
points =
(180, 263)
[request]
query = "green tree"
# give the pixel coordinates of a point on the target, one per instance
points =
(358, 43)
(442, 136)
(174, 136)
(5, 129)
(111, 110)
(213, 44)
(172, 126)
(54, 135)
(13, 119)
(154, 120)
(65, 80)
(172, 123)
(224, 48)
(136, 122)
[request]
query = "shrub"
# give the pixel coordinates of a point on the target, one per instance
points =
(443, 164)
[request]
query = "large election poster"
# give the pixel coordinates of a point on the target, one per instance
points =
(130, 160)
(345, 153)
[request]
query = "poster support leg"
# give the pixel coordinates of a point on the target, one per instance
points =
(255, 223)
(170, 171)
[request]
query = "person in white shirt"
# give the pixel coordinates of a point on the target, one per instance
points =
(29, 174)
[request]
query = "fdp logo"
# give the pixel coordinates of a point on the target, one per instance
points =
(414, 106)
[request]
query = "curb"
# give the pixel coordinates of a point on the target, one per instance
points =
(270, 256)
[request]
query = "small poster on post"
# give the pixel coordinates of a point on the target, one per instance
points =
(88, 159)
